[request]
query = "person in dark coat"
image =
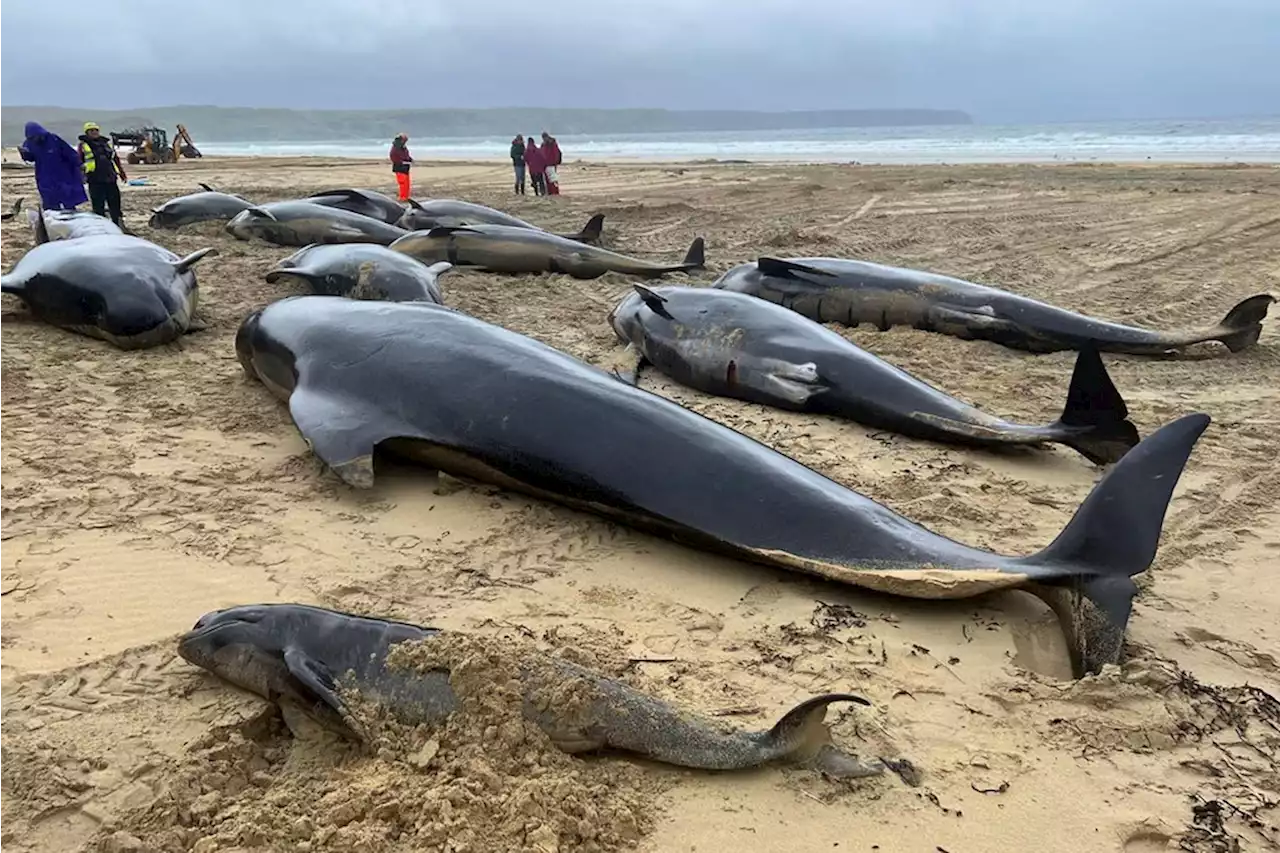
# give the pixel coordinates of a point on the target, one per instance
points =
(551, 154)
(103, 171)
(537, 167)
(401, 162)
(517, 162)
(58, 176)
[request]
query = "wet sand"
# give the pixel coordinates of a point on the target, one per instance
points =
(142, 489)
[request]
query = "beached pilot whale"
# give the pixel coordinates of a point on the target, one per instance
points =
(362, 271)
(302, 658)
(735, 345)
(301, 223)
(833, 290)
(115, 287)
(47, 225)
(501, 248)
(448, 212)
(478, 401)
(207, 206)
(365, 202)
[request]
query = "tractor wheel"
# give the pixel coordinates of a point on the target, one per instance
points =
(132, 158)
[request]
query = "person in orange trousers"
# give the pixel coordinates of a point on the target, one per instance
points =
(400, 163)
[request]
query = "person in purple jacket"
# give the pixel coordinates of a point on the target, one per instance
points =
(58, 175)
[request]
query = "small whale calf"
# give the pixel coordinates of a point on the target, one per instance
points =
(306, 658)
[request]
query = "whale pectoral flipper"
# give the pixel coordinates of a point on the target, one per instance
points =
(342, 433)
(315, 677)
(976, 323)
(194, 258)
(632, 376)
(314, 682)
(786, 384)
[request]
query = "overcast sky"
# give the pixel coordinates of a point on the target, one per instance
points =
(1001, 60)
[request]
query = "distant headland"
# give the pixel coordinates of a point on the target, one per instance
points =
(242, 124)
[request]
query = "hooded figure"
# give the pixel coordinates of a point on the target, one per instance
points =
(537, 166)
(58, 176)
(401, 161)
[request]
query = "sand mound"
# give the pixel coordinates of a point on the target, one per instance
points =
(486, 780)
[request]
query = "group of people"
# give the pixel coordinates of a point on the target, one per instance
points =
(63, 172)
(541, 163)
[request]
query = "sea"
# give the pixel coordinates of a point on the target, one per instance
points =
(1255, 140)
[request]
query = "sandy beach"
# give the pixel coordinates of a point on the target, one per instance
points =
(141, 490)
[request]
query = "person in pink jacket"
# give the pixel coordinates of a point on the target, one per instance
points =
(537, 166)
(551, 154)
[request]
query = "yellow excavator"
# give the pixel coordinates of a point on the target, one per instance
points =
(151, 145)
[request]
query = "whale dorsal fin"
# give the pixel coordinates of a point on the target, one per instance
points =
(446, 230)
(779, 268)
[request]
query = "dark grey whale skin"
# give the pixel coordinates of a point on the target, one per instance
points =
(479, 401)
(122, 289)
(303, 657)
(735, 345)
(836, 290)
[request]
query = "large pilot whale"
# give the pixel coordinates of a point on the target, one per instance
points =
(479, 401)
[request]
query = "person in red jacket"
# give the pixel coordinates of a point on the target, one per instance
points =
(537, 166)
(551, 153)
(400, 162)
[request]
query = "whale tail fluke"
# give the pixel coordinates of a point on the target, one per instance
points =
(1095, 421)
(1112, 537)
(696, 257)
(591, 232)
(1242, 326)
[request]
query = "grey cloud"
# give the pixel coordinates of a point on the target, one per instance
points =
(1003, 60)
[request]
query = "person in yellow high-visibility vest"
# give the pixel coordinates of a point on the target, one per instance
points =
(102, 171)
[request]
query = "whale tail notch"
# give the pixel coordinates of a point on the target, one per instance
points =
(1112, 537)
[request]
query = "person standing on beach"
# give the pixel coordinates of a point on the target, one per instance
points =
(517, 162)
(537, 167)
(400, 163)
(59, 178)
(551, 153)
(103, 171)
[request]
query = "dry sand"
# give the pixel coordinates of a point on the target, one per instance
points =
(142, 489)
